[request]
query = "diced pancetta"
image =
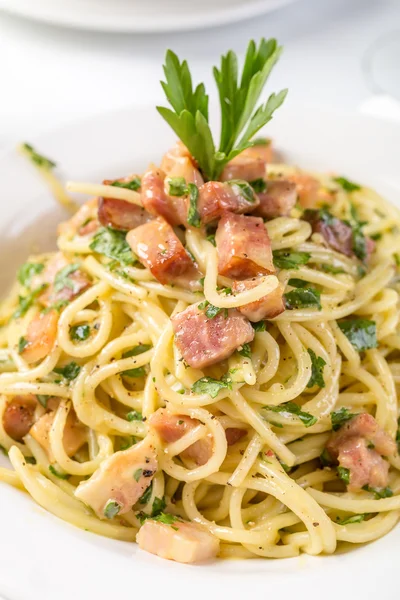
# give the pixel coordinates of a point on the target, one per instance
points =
(83, 222)
(204, 341)
(178, 162)
(74, 433)
(278, 199)
(121, 215)
(40, 336)
(310, 192)
(267, 307)
(18, 416)
(264, 151)
(120, 480)
(159, 249)
(78, 282)
(180, 541)
(359, 446)
(246, 166)
(243, 246)
(216, 197)
(158, 202)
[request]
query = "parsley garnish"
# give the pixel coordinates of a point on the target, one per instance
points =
(69, 371)
(113, 244)
(134, 415)
(292, 408)
(325, 458)
(239, 112)
(285, 259)
(43, 399)
(303, 298)
(177, 186)
(127, 442)
(138, 372)
(25, 302)
(56, 473)
(259, 326)
(111, 509)
(298, 283)
(211, 310)
(259, 185)
(317, 372)
(28, 271)
(346, 184)
(210, 386)
(245, 351)
(22, 344)
(38, 159)
(344, 474)
(3, 450)
(145, 497)
(379, 492)
(352, 519)
(193, 214)
(139, 349)
(331, 269)
(339, 417)
(62, 279)
(134, 184)
(211, 238)
(80, 332)
(397, 259)
(360, 332)
(244, 189)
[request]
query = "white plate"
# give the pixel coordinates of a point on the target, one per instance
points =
(43, 558)
(140, 15)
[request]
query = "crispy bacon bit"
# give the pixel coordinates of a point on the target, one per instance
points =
(247, 166)
(74, 433)
(244, 248)
(83, 222)
(278, 200)
(78, 281)
(178, 162)
(40, 336)
(216, 197)
(160, 250)
(122, 478)
(359, 446)
(203, 341)
(234, 435)
(267, 307)
(181, 541)
(18, 416)
(158, 202)
(120, 214)
(309, 190)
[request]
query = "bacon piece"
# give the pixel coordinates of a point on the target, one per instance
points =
(216, 197)
(267, 307)
(74, 433)
(278, 200)
(18, 416)
(157, 202)
(121, 478)
(203, 341)
(309, 190)
(121, 215)
(41, 336)
(79, 282)
(181, 541)
(172, 427)
(160, 250)
(245, 166)
(350, 446)
(83, 222)
(178, 162)
(264, 151)
(244, 248)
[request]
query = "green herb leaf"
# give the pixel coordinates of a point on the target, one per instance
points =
(111, 509)
(137, 474)
(259, 185)
(113, 244)
(245, 351)
(25, 302)
(379, 492)
(56, 473)
(28, 271)
(244, 189)
(325, 458)
(165, 518)
(285, 259)
(211, 238)
(69, 371)
(43, 399)
(259, 326)
(139, 349)
(145, 497)
(298, 283)
(80, 332)
(262, 141)
(62, 279)
(22, 344)
(31, 460)
(344, 474)
(339, 417)
(133, 185)
(193, 214)
(138, 372)
(177, 186)
(127, 442)
(317, 372)
(210, 386)
(159, 505)
(346, 184)
(292, 408)
(303, 298)
(331, 269)
(397, 259)
(38, 159)
(360, 332)
(134, 415)
(352, 519)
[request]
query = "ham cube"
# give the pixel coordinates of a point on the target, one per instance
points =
(264, 151)
(160, 250)
(120, 480)
(158, 202)
(267, 307)
(278, 200)
(180, 541)
(244, 248)
(205, 341)
(40, 336)
(120, 214)
(178, 162)
(74, 433)
(309, 190)
(247, 166)
(18, 416)
(83, 222)
(216, 197)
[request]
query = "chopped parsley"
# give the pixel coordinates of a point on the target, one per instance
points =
(244, 189)
(212, 387)
(294, 409)
(397, 259)
(177, 186)
(38, 159)
(69, 371)
(325, 458)
(134, 184)
(137, 474)
(193, 213)
(211, 310)
(298, 283)
(134, 415)
(56, 473)
(111, 509)
(245, 351)
(3, 450)
(379, 492)
(43, 399)
(352, 519)
(339, 417)
(331, 269)
(22, 344)
(344, 474)
(317, 370)
(286, 259)
(127, 442)
(138, 372)
(376, 237)
(62, 279)
(80, 332)
(259, 326)
(28, 270)
(360, 332)
(259, 185)
(25, 302)
(139, 349)
(113, 244)
(303, 298)
(346, 184)
(211, 238)
(145, 497)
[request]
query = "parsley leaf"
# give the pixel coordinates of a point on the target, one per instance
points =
(158, 506)
(62, 279)
(379, 492)
(262, 141)
(69, 371)
(28, 271)
(259, 185)
(134, 415)
(177, 186)
(56, 473)
(111, 509)
(245, 351)
(244, 189)
(145, 497)
(285, 259)
(344, 474)
(303, 298)
(80, 332)
(22, 344)
(259, 326)
(193, 214)
(346, 184)
(317, 370)
(360, 332)
(339, 417)
(134, 184)
(292, 408)
(352, 519)
(139, 349)
(325, 458)
(331, 269)
(25, 302)
(38, 159)
(210, 386)
(211, 310)
(137, 372)
(42, 399)
(113, 244)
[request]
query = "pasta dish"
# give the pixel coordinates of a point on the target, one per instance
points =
(208, 364)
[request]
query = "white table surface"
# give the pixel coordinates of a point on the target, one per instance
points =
(51, 76)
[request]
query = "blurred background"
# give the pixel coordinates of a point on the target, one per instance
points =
(62, 60)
